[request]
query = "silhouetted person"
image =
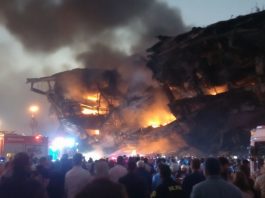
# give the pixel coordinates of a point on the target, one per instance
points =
(56, 184)
(19, 184)
(225, 170)
(103, 188)
(135, 185)
(101, 169)
(145, 174)
(241, 181)
(168, 188)
(214, 186)
(76, 178)
(195, 177)
(118, 170)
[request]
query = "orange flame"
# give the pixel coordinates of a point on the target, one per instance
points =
(94, 97)
(87, 111)
(217, 90)
(94, 104)
(161, 119)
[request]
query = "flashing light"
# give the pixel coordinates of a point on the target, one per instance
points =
(235, 157)
(60, 143)
(37, 137)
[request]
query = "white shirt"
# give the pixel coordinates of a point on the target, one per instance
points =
(116, 172)
(75, 180)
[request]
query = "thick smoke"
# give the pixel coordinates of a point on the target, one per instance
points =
(50, 24)
(112, 34)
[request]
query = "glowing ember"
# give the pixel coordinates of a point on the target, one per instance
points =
(87, 111)
(161, 119)
(217, 90)
(92, 97)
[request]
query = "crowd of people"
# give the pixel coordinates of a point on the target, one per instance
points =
(129, 177)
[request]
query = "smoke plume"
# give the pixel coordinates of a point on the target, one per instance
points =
(112, 34)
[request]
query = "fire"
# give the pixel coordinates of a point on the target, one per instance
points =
(161, 118)
(93, 132)
(93, 97)
(94, 104)
(87, 111)
(96, 132)
(217, 90)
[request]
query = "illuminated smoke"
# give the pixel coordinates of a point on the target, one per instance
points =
(111, 34)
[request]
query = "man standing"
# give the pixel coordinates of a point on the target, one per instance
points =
(118, 171)
(194, 178)
(214, 185)
(76, 178)
(168, 188)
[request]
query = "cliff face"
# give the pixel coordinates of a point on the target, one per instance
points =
(214, 79)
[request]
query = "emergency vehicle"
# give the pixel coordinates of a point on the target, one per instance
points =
(35, 146)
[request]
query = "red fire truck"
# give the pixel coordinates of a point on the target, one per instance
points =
(11, 144)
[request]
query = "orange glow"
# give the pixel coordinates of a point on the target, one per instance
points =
(133, 153)
(33, 108)
(217, 90)
(161, 118)
(92, 97)
(93, 132)
(96, 132)
(94, 104)
(87, 111)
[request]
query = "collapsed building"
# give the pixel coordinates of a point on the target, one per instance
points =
(91, 104)
(213, 79)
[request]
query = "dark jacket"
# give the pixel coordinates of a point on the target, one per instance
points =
(21, 186)
(190, 181)
(168, 189)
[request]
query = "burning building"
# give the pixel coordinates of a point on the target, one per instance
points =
(215, 81)
(211, 79)
(92, 104)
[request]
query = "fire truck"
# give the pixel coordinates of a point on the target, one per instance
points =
(35, 146)
(257, 149)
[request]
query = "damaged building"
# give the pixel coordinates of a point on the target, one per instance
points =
(213, 80)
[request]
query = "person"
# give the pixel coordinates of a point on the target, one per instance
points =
(135, 185)
(101, 169)
(168, 188)
(76, 178)
(260, 183)
(195, 177)
(118, 170)
(102, 188)
(214, 185)
(156, 180)
(142, 172)
(20, 184)
(241, 181)
(245, 169)
(225, 169)
(55, 187)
